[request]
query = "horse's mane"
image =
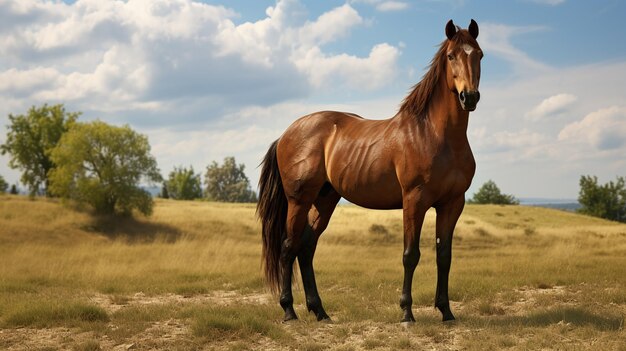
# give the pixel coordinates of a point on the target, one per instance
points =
(418, 101)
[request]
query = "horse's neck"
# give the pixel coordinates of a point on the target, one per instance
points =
(447, 118)
(445, 121)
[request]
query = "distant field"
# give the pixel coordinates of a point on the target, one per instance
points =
(189, 278)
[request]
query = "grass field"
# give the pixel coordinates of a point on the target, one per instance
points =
(189, 278)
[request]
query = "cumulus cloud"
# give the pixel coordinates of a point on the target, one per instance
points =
(553, 105)
(158, 55)
(366, 73)
(604, 129)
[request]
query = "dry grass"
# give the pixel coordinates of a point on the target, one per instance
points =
(189, 278)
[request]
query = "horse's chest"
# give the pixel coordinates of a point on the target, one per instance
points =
(452, 174)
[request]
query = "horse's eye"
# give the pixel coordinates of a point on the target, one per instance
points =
(450, 57)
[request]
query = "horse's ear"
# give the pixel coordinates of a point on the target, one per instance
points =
(450, 30)
(473, 29)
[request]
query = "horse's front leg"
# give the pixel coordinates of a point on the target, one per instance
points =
(447, 216)
(413, 218)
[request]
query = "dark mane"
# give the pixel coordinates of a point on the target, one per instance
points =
(417, 102)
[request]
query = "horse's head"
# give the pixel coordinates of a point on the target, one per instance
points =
(463, 63)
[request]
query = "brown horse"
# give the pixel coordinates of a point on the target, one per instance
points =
(418, 159)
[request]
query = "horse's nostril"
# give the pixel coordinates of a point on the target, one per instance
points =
(462, 96)
(477, 95)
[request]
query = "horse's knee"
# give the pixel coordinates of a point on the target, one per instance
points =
(411, 258)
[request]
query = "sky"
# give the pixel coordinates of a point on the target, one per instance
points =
(209, 79)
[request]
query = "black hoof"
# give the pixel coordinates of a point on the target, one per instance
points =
(322, 316)
(448, 317)
(290, 315)
(446, 313)
(319, 312)
(408, 318)
(326, 320)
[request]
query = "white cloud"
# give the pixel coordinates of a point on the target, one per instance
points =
(604, 129)
(157, 55)
(387, 6)
(329, 26)
(553, 105)
(368, 73)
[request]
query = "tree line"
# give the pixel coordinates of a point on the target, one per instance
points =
(606, 201)
(104, 165)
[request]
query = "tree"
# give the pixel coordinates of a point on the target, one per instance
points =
(489, 193)
(3, 185)
(228, 182)
(164, 194)
(606, 201)
(30, 139)
(102, 165)
(184, 184)
(13, 190)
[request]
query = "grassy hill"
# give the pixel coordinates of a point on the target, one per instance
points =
(189, 278)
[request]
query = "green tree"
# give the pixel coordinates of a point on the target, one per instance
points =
(489, 193)
(13, 190)
(30, 139)
(228, 182)
(184, 184)
(103, 165)
(606, 200)
(3, 185)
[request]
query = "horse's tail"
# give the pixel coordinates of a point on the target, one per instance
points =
(272, 211)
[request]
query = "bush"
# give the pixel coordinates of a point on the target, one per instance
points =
(182, 184)
(3, 185)
(489, 193)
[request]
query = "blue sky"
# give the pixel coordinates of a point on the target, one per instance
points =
(205, 80)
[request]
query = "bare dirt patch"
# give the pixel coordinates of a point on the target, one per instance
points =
(161, 335)
(113, 303)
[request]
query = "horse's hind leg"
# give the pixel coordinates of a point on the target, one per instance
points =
(319, 216)
(297, 211)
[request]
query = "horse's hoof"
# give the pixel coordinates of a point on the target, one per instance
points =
(325, 320)
(408, 318)
(448, 318)
(290, 316)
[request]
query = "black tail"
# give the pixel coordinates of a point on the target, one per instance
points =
(272, 211)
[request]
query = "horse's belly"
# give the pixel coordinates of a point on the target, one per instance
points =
(376, 203)
(376, 191)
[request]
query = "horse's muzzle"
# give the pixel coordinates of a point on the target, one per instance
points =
(469, 99)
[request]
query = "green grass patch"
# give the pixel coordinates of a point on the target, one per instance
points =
(42, 314)
(577, 317)
(224, 322)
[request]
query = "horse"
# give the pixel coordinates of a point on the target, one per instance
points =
(418, 159)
